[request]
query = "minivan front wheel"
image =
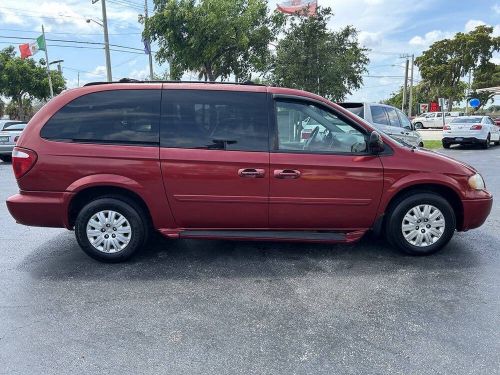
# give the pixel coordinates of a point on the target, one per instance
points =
(110, 230)
(421, 224)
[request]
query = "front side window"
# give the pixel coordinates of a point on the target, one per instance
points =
(393, 117)
(305, 127)
(379, 116)
(405, 122)
(219, 120)
(117, 116)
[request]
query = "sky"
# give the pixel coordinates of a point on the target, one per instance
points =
(389, 28)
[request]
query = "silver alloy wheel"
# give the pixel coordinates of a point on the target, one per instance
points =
(109, 231)
(423, 225)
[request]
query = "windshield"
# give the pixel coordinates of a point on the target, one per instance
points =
(466, 120)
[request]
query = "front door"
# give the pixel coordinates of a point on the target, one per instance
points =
(329, 181)
(215, 158)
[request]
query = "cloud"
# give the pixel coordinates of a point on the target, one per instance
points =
(496, 8)
(472, 24)
(99, 71)
(429, 38)
(140, 74)
(369, 39)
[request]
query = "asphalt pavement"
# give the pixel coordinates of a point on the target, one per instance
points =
(220, 307)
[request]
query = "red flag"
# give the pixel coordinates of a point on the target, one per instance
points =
(25, 50)
(307, 7)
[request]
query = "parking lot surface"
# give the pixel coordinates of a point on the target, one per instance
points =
(220, 307)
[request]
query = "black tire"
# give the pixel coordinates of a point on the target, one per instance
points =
(419, 125)
(132, 212)
(486, 143)
(393, 227)
(446, 145)
(6, 158)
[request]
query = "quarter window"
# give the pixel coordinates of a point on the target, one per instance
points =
(305, 127)
(220, 120)
(117, 116)
(393, 117)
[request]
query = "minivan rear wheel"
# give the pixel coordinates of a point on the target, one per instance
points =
(110, 229)
(421, 223)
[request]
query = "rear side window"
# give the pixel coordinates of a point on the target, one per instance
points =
(379, 116)
(119, 116)
(221, 120)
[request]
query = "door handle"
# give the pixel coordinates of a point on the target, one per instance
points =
(251, 172)
(286, 173)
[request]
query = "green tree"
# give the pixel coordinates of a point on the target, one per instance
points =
(312, 58)
(23, 80)
(447, 61)
(215, 38)
(488, 75)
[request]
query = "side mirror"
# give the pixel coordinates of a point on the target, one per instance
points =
(376, 144)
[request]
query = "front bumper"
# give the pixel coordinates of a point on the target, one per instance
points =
(476, 212)
(40, 208)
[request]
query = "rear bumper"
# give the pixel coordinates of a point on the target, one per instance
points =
(462, 140)
(40, 208)
(475, 212)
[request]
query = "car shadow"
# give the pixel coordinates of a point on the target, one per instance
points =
(61, 258)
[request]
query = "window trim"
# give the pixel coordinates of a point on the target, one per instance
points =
(274, 140)
(105, 142)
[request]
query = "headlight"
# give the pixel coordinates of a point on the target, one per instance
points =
(476, 182)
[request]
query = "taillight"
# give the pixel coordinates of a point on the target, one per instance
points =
(23, 160)
(447, 127)
(476, 127)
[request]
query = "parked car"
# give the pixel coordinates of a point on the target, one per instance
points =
(497, 121)
(8, 138)
(6, 123)
(388, 119)
(434, 119)
(471, 130)
(193, 160)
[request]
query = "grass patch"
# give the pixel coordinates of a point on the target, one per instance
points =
(433, 144)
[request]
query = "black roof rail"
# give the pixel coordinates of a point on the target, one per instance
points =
(132, 80)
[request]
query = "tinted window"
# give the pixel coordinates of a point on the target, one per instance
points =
(119, 116)
(393, 117)
(306, 127)
(466, 120)
(215, 120)
(357, 109)
(379, 116)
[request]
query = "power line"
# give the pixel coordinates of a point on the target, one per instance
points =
(61, 33)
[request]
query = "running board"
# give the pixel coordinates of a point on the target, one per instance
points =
(267, 235)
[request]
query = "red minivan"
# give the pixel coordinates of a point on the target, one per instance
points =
(113, 161)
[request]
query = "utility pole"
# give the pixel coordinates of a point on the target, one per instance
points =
(405, 86)
(151, 75)
(106, 38)
(410, 105)
(468, 93)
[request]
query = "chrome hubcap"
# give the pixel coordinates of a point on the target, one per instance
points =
(423, 225)
(109, 231)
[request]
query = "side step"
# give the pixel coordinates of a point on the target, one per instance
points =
(279, 235)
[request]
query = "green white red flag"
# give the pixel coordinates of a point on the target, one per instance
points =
(306, 7)
(29, 49)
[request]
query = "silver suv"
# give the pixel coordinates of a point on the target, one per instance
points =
(388, 119)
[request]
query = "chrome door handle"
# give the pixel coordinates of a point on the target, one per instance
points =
(251, 172)
(287, 173)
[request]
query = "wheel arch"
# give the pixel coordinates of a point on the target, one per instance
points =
(90, 193)
(447, 192)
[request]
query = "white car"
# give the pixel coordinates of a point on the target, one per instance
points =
(434, 119)
(471, 130)
(8, 138)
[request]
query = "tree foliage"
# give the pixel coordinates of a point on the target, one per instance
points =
(420, 95)
(447, 61)
(485, 76)
(215, 38)
(23, 80)
(312, 58)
